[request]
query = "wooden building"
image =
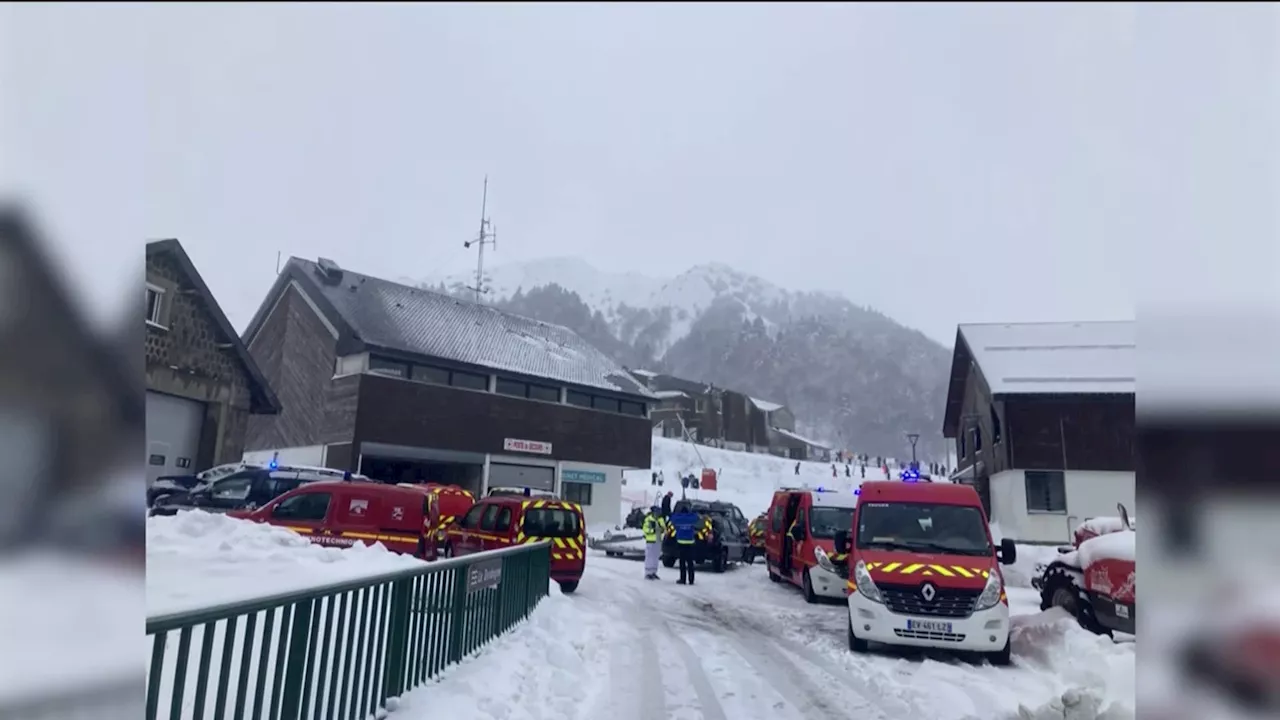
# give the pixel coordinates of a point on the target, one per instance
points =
(1042, 418)
(409, 385)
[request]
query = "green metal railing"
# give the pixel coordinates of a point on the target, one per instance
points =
(338, 652)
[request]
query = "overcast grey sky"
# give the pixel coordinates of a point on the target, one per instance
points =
(943, 163)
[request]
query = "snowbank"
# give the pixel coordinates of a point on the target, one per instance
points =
(746, 479)
(1096, 674)
(1104, 525)
(1114, 546)
(558, 659)
(196, 559)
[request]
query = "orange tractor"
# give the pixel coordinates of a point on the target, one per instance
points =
(1094, 580)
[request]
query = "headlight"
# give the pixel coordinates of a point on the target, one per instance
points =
(866, 586)
(991, 594)
(824, 562)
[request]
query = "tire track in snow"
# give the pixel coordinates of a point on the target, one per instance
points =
(695, 674)
(635, 686)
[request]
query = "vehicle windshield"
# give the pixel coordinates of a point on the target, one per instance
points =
(551, 522)
(825, 522)
(956, 529)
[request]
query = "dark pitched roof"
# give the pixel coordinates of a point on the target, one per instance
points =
(386, 315)
(263, 399)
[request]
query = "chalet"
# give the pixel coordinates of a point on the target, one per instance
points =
(684, 408)
(409, 385)
(202, 385)
(1043, 423)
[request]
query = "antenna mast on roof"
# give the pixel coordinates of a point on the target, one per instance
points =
(488, 235)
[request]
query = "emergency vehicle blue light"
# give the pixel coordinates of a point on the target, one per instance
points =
(857, 491)
(528, 492)
(821, 490)
(273, 465)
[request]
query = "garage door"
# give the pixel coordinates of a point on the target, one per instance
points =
(173, 435)
(537, 478)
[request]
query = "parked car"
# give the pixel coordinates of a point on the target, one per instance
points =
(725, 543)
(336, 513)
(166, 485)
(502, 521)
(247, 489)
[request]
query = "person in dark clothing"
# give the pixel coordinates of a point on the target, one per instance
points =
(685, 524)
(797, 468)
(666, 504)
(847, 472)
(864, 472)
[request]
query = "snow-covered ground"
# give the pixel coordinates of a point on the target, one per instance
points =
(737, 646)
(197, 559)
(745, 479)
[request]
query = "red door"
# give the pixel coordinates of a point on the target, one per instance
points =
(306, 511)
(467, 539)
(799, 547)
(499, 533)
(774, 530)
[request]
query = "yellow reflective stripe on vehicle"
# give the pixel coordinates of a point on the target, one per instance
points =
(379, 536)
(302, 530)
(926, 569)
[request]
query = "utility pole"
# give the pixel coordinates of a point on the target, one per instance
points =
(913, 438)
(488, 235)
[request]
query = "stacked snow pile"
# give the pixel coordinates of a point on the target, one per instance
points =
(1053, 642)
(561, 655)
(196, 559)
(1120, 545)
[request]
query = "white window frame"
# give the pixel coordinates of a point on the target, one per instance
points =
(155, 313)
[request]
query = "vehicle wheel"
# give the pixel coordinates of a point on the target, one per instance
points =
(809, 595)
(721, 561)
(448, 550)
(668, 561)
(855, 645)
(1001, 658)
(568, 587)
(1058, 589)
(749, 557)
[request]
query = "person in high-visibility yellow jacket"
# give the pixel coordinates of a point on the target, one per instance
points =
(653, 527)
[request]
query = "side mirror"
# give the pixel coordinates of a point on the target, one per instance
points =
(797, 533)
(842, 541)
(1008, 553)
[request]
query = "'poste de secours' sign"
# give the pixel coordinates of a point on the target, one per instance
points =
(484, 575)
(527, 446)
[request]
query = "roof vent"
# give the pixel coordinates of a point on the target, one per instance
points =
(328, 270)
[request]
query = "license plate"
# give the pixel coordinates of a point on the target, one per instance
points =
(936, 626)
(1122, 611)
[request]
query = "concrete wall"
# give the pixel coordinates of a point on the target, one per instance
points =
(606, 497)
(1090, 493)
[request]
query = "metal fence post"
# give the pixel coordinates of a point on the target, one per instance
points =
(291, 703)
(397, 639)
(457, 613)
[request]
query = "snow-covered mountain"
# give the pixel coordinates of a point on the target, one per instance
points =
(853, 377)
(619, 296)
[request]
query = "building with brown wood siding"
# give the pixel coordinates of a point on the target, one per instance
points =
(409, 385)
(1043, 422)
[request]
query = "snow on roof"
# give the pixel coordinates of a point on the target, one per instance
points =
(666, 394)
(646, 373)
(801, 438)
(1059, 357)
(765, 405)
(421, 322)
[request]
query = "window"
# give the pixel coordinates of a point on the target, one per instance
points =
(504, 521)
(472, 518)
(576, 492)
(779, 515)
(977, 438)
(825, 522)
(489, 519)
(155, 305)
(631, 408)
(510, 387)
(604, 403)
(800, 523)
(232, 488)
(699, 406)
(950, 529)
(155, 460)
(470, 381)
(960, 448)
(281, 485)
(551, 522)
(382, 366)
(428, 374)
(544, 393)
(1046, 491)
(312, 506)
(581, 399)
(995, 425)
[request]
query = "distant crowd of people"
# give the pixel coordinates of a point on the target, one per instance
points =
(861, 461)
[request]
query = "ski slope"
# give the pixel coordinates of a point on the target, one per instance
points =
(746, 479)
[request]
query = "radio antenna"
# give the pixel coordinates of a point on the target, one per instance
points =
(488, 235)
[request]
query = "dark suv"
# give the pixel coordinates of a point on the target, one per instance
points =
(728, 543)
(244, 490)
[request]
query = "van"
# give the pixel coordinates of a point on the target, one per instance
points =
(924, 572)
(343, 513)
(799, 540)
(453, 501)
(502, 521)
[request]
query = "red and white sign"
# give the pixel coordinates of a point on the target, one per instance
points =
(527, 446)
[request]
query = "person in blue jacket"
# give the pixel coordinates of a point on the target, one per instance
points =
(686, 527)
